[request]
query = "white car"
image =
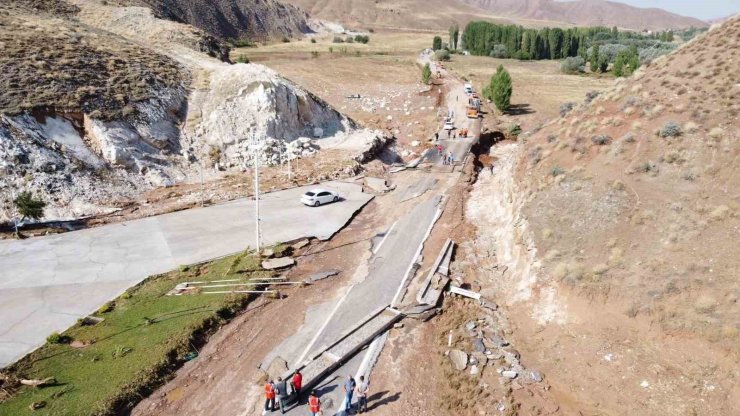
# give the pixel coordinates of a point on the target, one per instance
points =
(316, 197)
(449, 126)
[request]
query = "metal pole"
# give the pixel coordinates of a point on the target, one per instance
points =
(256, 192)
(13, 209)
(200, 167)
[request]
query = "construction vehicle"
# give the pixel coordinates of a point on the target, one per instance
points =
(472, 112)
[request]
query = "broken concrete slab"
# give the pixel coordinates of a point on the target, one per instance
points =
(417, 189)
(300, 244)
(321, 275)
(459, 359)
(379, 185)
(463, 292)
(268, 252)
(277, 367)
(498, 341)
(397, 169)
(280, 263)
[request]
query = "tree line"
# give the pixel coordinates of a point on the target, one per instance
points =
(512, 41)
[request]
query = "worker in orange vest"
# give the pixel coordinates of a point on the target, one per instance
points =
(269, 397)
(314, 404)
(297, 382)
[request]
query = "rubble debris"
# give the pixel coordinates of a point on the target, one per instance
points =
(459, 359)
(280, 263)
(268, 252)
(470, 325)
(509, 374)
(498, 341)
(478, 345)
(379, 185)
(462, 292)
(487, 304)
(300, 244)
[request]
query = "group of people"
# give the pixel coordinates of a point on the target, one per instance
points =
(278, 392)
(447, 158)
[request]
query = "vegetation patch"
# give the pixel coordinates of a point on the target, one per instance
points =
(145, 336)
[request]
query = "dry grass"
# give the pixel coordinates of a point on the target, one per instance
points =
(70, 67)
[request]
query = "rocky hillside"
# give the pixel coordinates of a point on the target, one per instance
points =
(588, 13)
(624, 212)
(233, 19)
(90, 117)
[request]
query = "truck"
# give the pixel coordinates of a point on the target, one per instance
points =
(472, 112)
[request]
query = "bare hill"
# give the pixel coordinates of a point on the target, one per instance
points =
(439, 14)
(625, 212)
(588, 13)
(233, 19)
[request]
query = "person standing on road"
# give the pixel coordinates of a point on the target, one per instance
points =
(269, 397)
(296, 383)
(281, 388)
(349, 389)
(449, 132)
(436, 136)
(362, 389)
(314, 404)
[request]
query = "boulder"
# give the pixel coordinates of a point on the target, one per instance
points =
(509, 374)
(459, 359)
(478, 345)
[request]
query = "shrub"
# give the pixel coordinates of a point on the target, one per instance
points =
(285, 39)
(499, 51)
(29, 207)
(242, 59)
(242, 43)
(442, 55)
(515, 129)
(57, 338)
(572, 65)
(426, 74)
(314, 54)
(337, 39)
(670, 129)
(371, 30)
(601, 140)
(499, 89)
(313, 40)
(566, 108)
(591, 95)
(107, 307)
(362, 39)
(349, 39)
(557, 171)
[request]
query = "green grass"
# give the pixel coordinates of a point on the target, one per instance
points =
(144, 337)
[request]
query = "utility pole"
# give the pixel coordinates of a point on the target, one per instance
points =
(256, 148)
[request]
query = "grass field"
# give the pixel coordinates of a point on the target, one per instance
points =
(143, 338)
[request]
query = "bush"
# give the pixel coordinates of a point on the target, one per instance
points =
(242, 59)
(557, 171)
(107, 307)
(515, 129)
(242, 43)
(314, 54)
(56, 338)
(337, 39)
(313, 40)
(349, 39)
(670, 129)
(442, 55)
(362, 39)
(500, 89)
(500, 51)
(572, 65)
(601, 140)
(566, 108)
(286, 39)
(29, 207)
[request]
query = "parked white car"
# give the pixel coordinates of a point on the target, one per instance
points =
(316, 197)
(449, 125)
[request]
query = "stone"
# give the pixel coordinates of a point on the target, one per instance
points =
(268, 252)
(470, 325)
(398, 325)
(459, 359)
(280, 263)
(509, 374)
(480, 359)
(478, 345)
(487, 304)
(474, 370)
(498, 341)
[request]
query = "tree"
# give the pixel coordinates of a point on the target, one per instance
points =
(29, 207)
(594, 58)
(500, 89)
(454, 36)
(437, 43)
(442, 55)
(603, 64)
(426, 74)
